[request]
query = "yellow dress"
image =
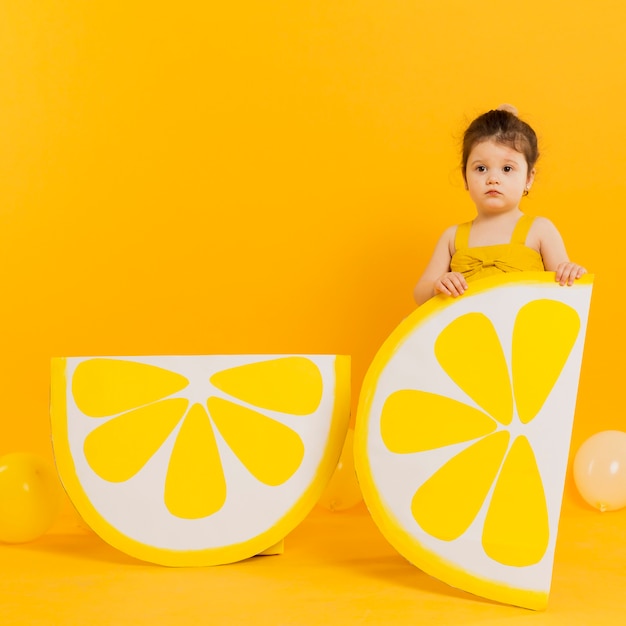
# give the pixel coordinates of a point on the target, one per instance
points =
(483, 261)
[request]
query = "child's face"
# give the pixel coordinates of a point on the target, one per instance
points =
(496, 177)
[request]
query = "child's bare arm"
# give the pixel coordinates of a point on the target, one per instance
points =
(554, 255)
(437, 277)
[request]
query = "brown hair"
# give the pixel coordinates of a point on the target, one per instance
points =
(502, 126)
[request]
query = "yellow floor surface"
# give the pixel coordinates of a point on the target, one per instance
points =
(337, 569)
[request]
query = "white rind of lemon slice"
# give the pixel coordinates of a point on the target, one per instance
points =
(134, 490)
(462, 466)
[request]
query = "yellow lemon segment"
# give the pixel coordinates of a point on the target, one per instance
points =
(195, 486)
(542, 327)
(103, 387)
(290, 385)
(469, 475)
(516, 530)
(271, 451)
(404, 430)
(463, 429)
(469, 351)
(198, 460)
(120, 447)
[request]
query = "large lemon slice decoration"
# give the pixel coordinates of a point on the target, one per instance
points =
(463, 432)
(198, 460)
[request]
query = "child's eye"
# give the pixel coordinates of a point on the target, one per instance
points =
(507, 168)
(481, 168)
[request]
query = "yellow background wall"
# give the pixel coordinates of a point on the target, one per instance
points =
(204, 177)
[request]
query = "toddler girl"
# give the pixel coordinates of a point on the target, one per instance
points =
(499, 156)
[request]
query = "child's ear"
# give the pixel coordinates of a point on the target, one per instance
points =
(530, 178)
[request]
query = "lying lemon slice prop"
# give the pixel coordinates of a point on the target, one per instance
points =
(198, 460)
(463, 432)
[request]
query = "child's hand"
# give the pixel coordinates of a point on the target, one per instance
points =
(451, 283)
(567, 273)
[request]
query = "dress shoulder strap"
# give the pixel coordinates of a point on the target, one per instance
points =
(520, 232)
(461, 239)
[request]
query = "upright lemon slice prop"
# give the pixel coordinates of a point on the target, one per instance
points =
(198, 460)
(463, 431)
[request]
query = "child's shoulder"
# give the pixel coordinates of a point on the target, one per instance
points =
(448, 233)
(446, 240)
(542, 224)
(543, 233)
(451, 230)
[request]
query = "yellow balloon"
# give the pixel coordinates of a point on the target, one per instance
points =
(343, 491)
(30, 497)
(600, 470)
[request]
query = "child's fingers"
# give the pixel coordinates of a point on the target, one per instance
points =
(577, 272)
(440, 286)
(563, 272)
(568, 277)
(567, 273)
(455, 283)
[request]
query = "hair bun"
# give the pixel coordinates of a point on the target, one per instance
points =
(508, 107)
